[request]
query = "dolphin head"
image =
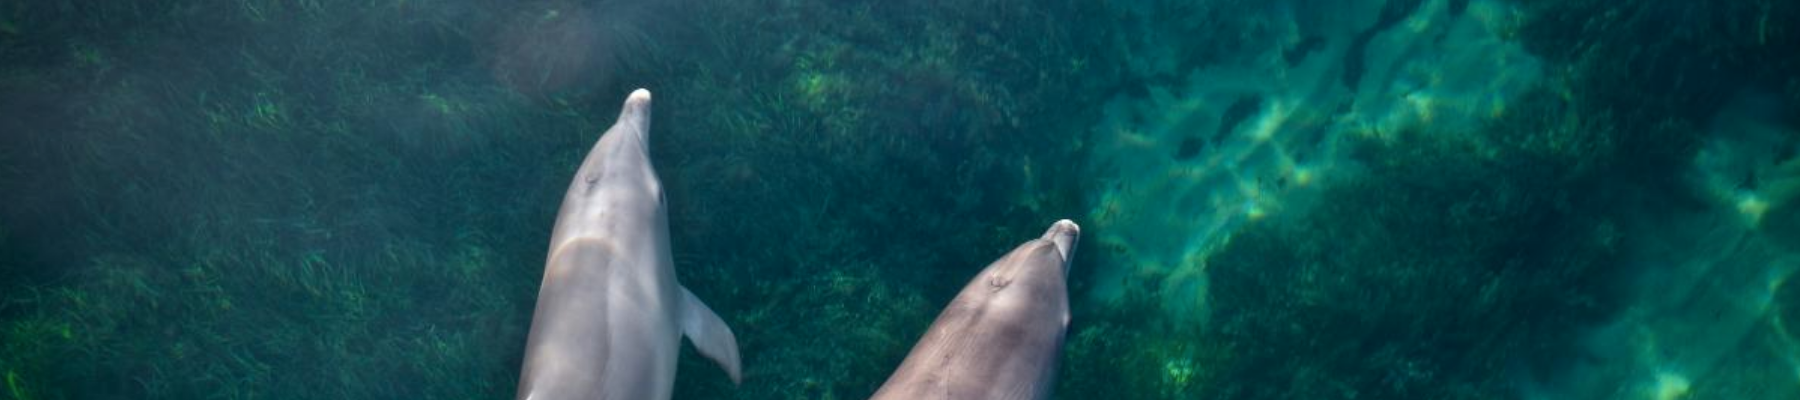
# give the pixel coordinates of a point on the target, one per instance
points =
(624, 150)
(1065, 234)
(1002, 336)
(616, 176)
(636, 111)
(634, 118)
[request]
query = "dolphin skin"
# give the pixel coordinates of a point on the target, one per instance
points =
(1002, 335)
(610, 315)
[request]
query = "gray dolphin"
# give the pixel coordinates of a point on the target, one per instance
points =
(610, 315)
(1002, 335)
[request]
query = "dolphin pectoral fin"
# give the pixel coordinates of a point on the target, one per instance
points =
(710, 335)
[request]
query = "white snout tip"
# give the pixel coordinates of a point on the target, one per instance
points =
(1066, 234)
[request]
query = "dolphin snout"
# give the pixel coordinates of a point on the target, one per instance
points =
(636, 110)
(1065, 234)
(639, 99)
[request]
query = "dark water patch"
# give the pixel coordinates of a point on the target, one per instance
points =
(1298, 52)
(1457, 7)
(1353, 60)
(1139, 88)
(1190, 147)
(1241, 109)
(1309, 141)
(1392, 12)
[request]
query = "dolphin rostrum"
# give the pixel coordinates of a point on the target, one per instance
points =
(610, 315)
(1002, 335)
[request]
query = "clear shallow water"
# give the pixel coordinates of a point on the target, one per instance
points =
(1298, 199)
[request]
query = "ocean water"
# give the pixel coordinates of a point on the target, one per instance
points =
(1280, 199)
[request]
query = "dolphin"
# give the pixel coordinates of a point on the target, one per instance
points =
(610, 315)
(1002, 335)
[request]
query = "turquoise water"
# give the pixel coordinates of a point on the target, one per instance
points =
(1390, 199)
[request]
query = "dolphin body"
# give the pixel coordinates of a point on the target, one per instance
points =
(610, 315)
(1002, 335)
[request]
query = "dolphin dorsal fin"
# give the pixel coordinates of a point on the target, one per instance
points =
(710, 335)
